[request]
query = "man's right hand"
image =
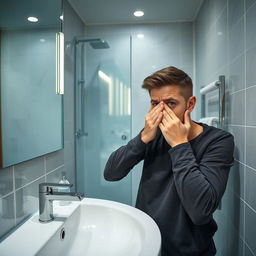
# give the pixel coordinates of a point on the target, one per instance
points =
(152, 120)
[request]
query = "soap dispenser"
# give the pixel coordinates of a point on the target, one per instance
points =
(64, 189)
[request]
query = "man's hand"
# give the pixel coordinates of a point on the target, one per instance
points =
(173, 130)
(152, 121)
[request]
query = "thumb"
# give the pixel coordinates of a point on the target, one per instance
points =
(187, 117)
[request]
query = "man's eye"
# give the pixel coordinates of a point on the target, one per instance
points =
(171, 104)
(154, 104)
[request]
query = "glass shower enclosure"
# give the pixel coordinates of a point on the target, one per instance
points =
(103, 112)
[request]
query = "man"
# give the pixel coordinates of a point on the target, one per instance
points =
(186, 166)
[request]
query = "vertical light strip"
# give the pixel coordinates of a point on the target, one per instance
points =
(59, 63)
(110, 97)
(129, 101)
(121, 99)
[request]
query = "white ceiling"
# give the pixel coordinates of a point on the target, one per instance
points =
(121, 11)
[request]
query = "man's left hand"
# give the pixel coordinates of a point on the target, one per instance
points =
(173, 130)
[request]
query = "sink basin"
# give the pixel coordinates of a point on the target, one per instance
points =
(91, 227)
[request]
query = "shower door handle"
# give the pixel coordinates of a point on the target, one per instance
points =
(123, 137)
(80, 133)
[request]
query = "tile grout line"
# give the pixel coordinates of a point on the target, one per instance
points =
(45, 168)
(248, 166)
(249, 248)
(245, 121)
(245, 89)
(244, 126)
(14, 195)
(40, 177)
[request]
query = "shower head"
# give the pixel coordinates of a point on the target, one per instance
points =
(99, 44)
(96, 43)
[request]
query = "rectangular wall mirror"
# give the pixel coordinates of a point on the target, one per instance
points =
(31, 111)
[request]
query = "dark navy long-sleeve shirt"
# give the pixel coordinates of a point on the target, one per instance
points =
(180, 187)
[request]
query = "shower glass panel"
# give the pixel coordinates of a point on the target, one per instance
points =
(103, 113)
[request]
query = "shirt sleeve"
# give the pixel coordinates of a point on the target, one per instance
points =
(200, 186)
(124, 159)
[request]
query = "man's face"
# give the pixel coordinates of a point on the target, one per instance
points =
(171, 96)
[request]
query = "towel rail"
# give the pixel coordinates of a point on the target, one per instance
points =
(219, 84)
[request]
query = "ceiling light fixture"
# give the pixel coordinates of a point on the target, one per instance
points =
(140, 36)
(138, 13)
(33, 19)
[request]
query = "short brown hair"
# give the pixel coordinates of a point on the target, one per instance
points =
(170, 76)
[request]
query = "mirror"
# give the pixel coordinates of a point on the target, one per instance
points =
(31, 111)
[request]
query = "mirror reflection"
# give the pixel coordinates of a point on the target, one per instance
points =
(31, 111)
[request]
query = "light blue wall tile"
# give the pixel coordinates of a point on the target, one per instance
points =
(28, 171)
(249, 3)
(55, 176)
(250, 228)
(250, 191)
(250, 147)
(250, 28)
(230, 226)
(237, 105)
(236, 179)
(54, 160)
(248, 251)
(6, 181)
(236, 79)
(250, 67)
(236, 40)
(236, 11)
(239, 137)
(27, 200)
(250, 105)
(7, 218)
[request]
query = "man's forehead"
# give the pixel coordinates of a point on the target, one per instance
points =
(164, 98)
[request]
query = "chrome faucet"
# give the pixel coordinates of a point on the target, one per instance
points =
(47, 195)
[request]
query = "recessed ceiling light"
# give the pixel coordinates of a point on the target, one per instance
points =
(32, 19)
(140, 36)
(138, 13)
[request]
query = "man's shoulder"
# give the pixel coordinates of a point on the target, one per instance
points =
(218, 135)
(218, 132)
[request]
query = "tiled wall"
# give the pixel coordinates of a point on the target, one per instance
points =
(226, 45)
(19, 183)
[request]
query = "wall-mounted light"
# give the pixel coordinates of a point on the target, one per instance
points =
(59, 63)
(33, 19)
(138, 13)
(61, 17)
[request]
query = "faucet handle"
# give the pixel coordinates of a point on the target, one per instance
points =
(47, 186)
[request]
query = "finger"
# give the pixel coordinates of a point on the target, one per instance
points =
(165, 122)
(155, 112)
(156, 108)
(159, 119)
(162, 128)
(170, 112)
(156, 115)
(167, 116)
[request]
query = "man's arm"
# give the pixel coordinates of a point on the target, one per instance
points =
(201, 186)
(124, 159)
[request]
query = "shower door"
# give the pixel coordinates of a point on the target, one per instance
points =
(103, 113)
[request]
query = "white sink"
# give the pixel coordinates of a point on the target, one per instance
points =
(92, 227)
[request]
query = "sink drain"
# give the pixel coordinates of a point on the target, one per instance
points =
(62, 234)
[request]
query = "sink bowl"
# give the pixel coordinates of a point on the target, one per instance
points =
(91, 227)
